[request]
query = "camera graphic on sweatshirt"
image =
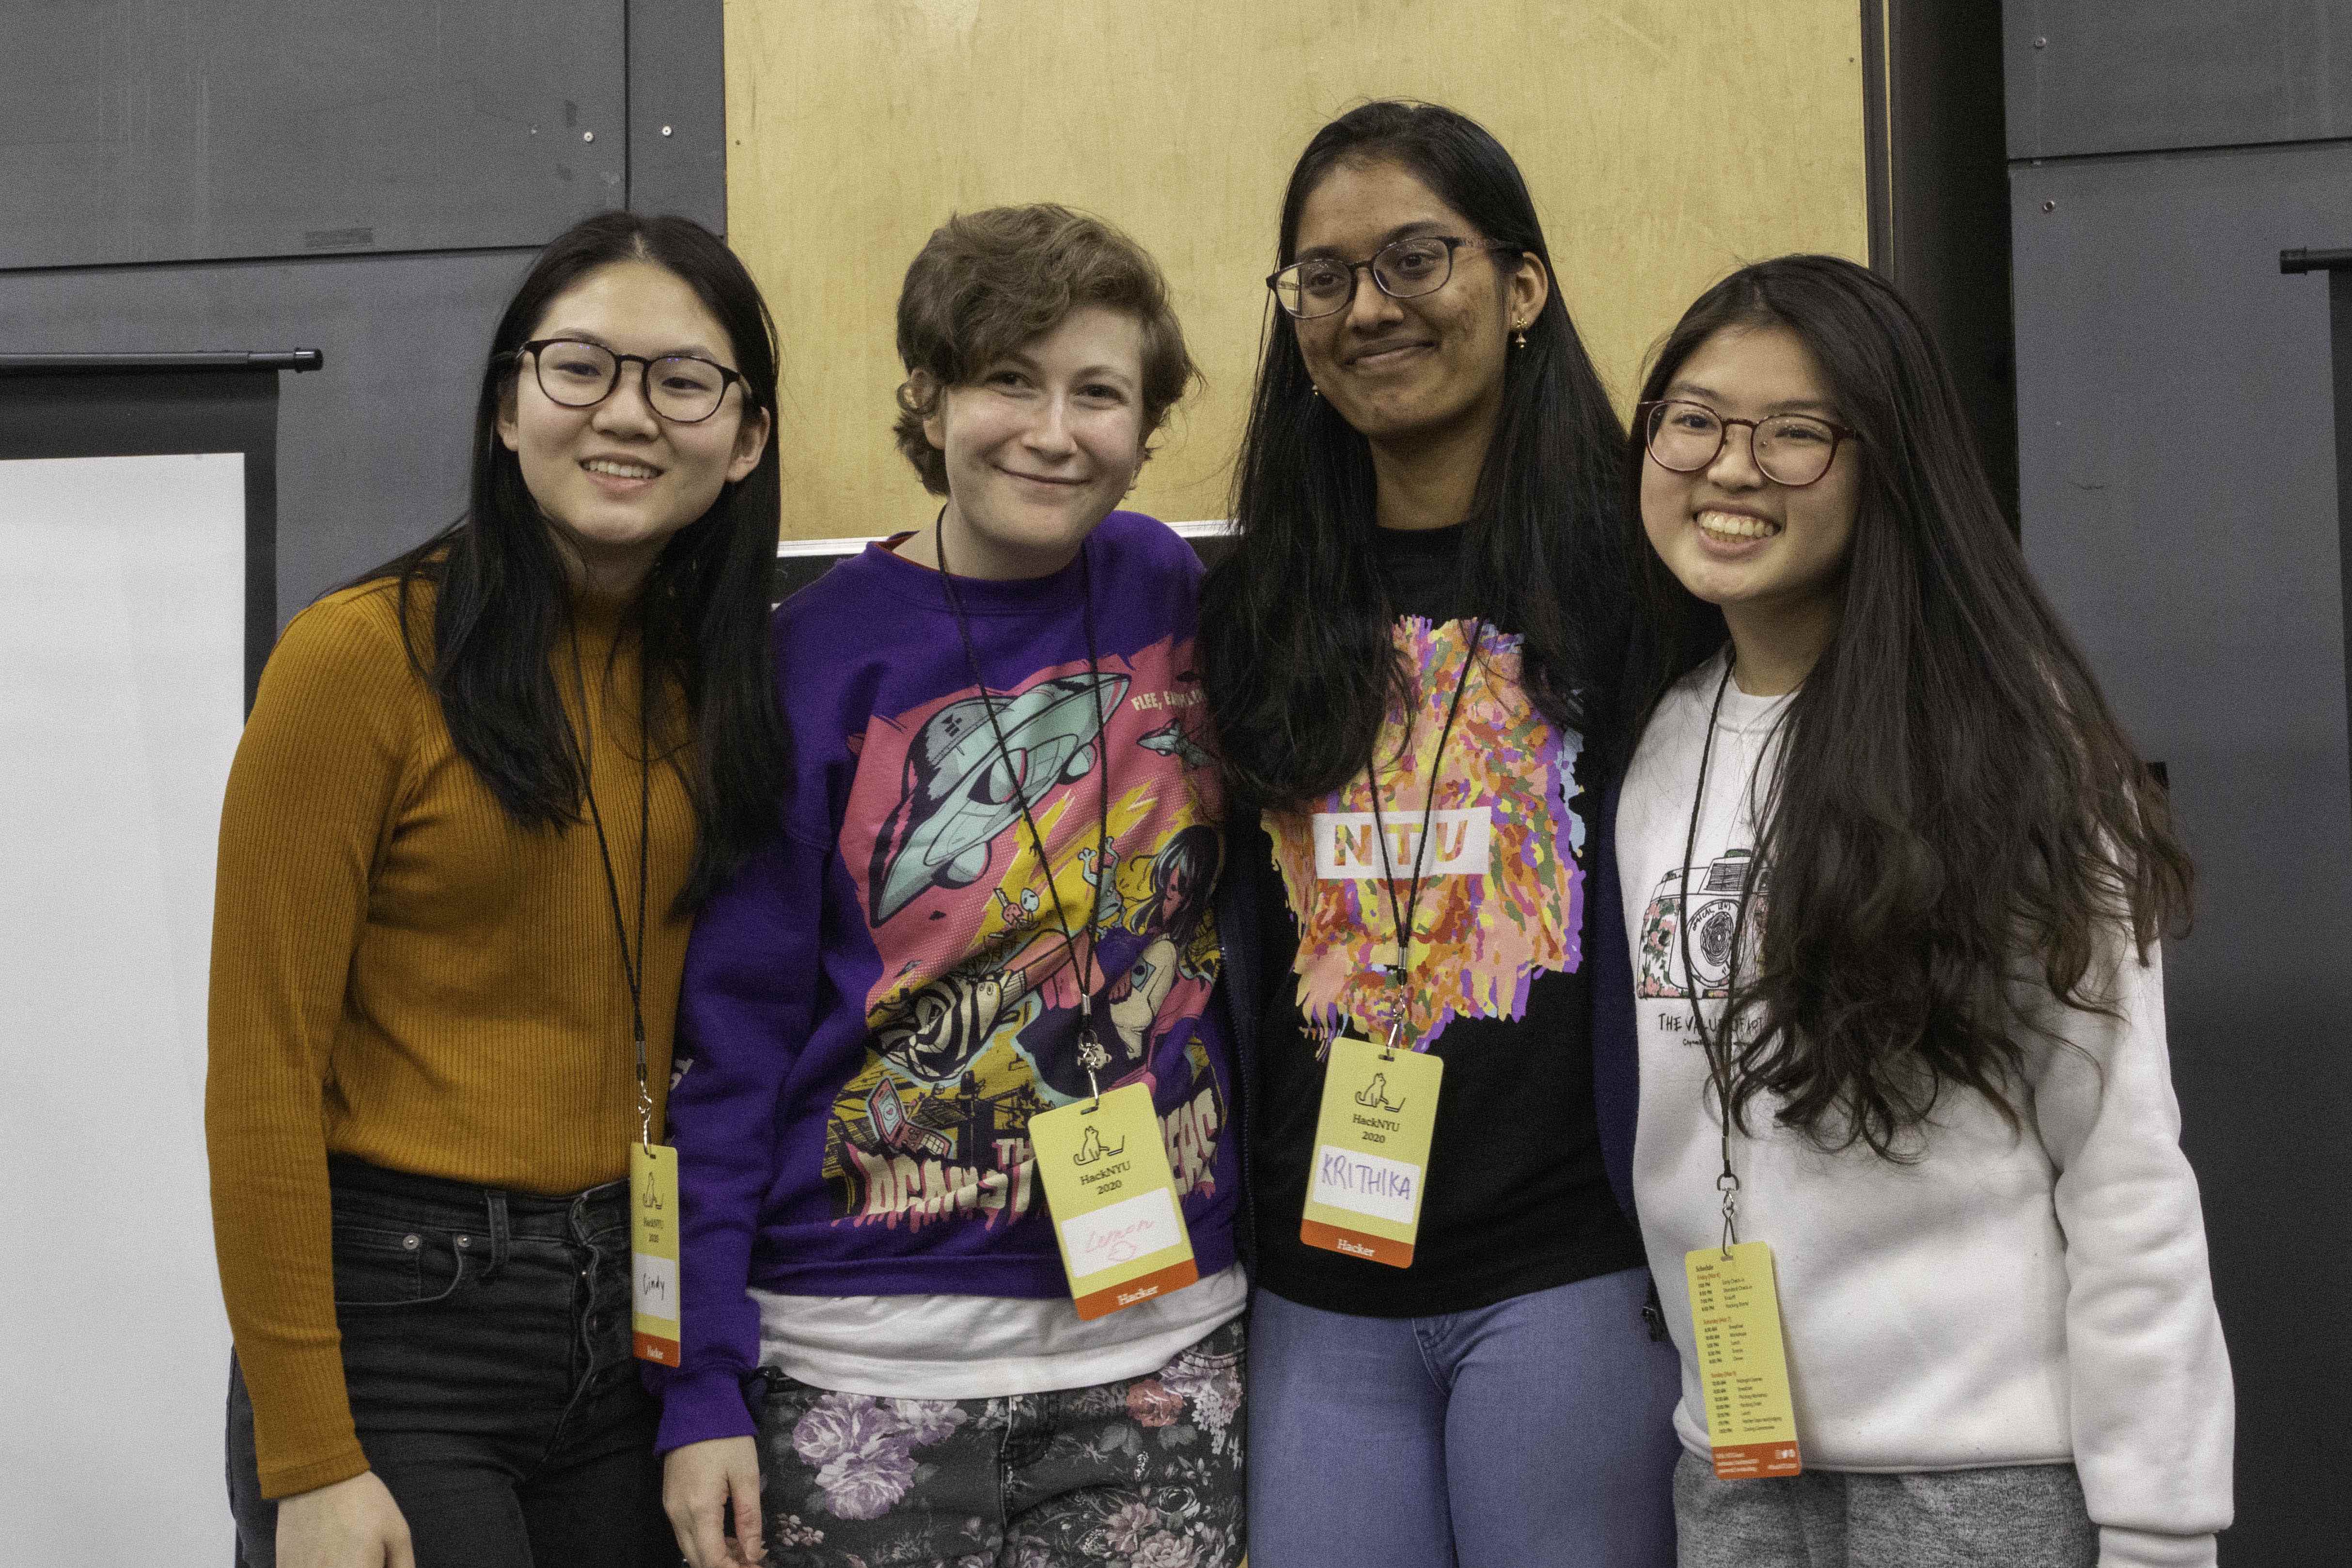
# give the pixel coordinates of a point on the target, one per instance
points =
(1711, 908)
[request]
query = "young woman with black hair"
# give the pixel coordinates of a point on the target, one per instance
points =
(1407, 655)
(1895, 880)
(479, 794)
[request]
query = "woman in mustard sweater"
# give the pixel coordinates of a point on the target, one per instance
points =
(479, 792)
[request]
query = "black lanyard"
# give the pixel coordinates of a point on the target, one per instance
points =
(1715, 1043)
(1400, 915)
(1088, 968)
(633, 969)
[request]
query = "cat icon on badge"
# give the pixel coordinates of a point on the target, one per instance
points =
(1090, 1148)
(1374, 1095)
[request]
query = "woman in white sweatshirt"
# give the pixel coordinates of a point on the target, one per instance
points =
(1894, 883)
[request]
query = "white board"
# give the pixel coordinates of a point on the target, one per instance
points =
(122, 696)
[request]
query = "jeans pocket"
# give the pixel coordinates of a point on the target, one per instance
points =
(377, 1268)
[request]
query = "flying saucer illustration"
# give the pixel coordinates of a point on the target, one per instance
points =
(960, 793)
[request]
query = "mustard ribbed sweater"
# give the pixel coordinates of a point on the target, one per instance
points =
(401, 975)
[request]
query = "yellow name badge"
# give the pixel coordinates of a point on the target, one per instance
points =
(1372, 1152)
(653, 1252)
(1751, 1423)
(1105, 1169)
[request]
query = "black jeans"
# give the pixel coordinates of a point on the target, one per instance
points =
(486, 1352)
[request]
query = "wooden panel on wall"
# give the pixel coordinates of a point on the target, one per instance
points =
(1665, 144)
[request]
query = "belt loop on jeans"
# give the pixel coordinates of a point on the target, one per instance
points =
(500, 1231)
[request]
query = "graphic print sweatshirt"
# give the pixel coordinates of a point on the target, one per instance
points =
(875, 1007)
(2012, 1296)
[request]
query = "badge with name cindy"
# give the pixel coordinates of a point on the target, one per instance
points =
(653, 1252)
(1743, 1366)
(1372, 1152)
(1105, 1169)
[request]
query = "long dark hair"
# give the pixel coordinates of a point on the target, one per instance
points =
(1296, 647)
(501, 600)
(1955, 792)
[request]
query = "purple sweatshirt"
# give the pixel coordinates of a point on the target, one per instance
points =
(876, 1006)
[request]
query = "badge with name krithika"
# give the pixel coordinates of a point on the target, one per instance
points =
(1372, 1152)
(1104, 1166)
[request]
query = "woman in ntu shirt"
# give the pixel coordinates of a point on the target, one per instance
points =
(1894, 880)
(1407, 655)
(479, 792)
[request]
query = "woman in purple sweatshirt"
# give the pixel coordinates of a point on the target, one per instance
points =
(990, 899)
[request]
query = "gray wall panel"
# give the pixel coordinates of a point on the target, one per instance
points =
(170, 130)
(373, 449)
(2129, 75)
(678, 111)
(2177, 476)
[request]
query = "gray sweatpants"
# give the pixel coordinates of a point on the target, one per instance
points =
(2015, 1516)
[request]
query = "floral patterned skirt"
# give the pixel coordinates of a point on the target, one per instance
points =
(1146, 1472)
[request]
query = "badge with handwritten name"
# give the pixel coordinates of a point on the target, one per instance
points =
(1743, 1366)
(653, 1252)
(1105, 1169)
(1372, 1152)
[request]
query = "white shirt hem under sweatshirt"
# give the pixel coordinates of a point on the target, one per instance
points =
(984, 1347)
(2038, 1295)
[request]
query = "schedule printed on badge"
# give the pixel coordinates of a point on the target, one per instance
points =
(1751, 1421)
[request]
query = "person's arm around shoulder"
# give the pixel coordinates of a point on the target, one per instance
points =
(2152, 1409)
(317, 775)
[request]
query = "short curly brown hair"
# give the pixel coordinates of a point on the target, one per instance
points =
(989, 281)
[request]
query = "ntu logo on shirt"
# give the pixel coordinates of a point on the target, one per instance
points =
(1348, 844)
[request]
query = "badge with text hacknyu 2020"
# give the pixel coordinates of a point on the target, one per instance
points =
(1105, 1171)
(653, 1252)
(1743, 1365)
(1372, 1152)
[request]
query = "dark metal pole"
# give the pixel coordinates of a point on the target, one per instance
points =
(2337, 265)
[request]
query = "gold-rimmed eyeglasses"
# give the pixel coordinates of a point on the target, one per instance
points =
(1402, 269)
(1790, 449)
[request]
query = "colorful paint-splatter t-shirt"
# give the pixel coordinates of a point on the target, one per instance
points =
(875, 1008)
(1518, 1197)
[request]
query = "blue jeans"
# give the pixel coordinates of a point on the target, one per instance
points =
(1537, 1433)
(487, 1356)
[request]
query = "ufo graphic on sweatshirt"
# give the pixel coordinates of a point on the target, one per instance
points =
(960, 792)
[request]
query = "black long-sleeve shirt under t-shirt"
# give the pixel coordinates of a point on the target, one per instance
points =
(1517, 1196)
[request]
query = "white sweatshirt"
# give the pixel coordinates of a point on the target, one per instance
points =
(2009, 1299)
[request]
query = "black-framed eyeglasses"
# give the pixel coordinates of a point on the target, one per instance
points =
(1402, 269)
(685, 389)
(1790, 449)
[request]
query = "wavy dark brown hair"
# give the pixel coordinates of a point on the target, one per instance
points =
(501, 601)
(1955, 796)
(1295, 648)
